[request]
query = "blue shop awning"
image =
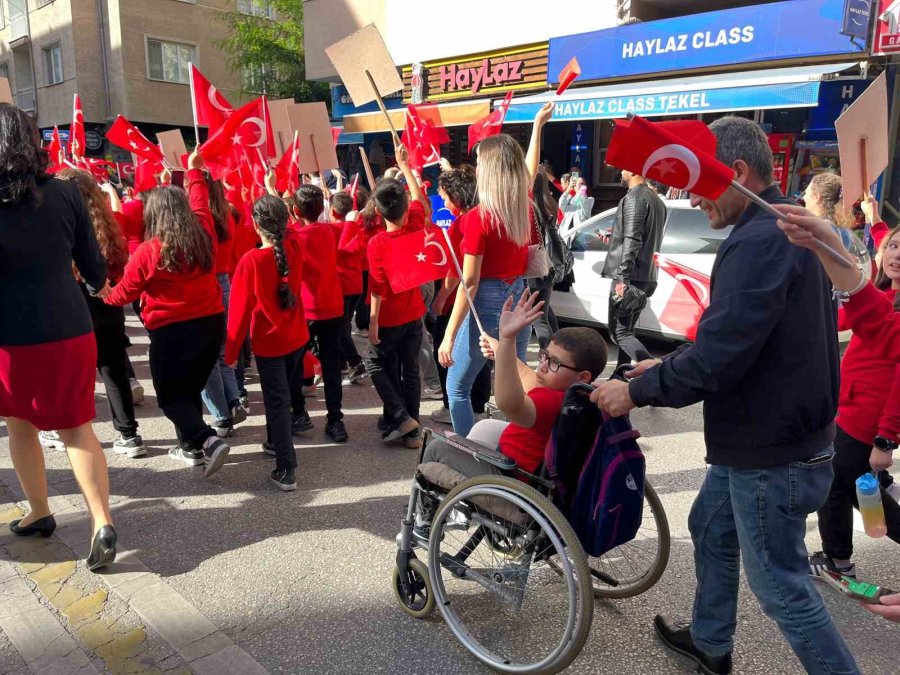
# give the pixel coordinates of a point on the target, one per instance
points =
(723, 92)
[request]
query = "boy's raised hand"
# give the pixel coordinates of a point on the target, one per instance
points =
(526, 312)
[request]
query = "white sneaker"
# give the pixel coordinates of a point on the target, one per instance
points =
(132, 446)
(51, 441)
(432, 393)
(442, 415)
(137, 391)
(216, 451)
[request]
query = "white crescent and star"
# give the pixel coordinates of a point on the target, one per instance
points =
(261, 126)
(134, 143)
(702, 290)
(666, 154)
(443, 260)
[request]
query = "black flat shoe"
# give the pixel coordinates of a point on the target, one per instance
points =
(103, 550)
(679, 640)
(43, 526)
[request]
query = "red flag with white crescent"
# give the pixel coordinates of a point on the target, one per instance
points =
(491, 124)
(423, 135)
(288, 168)
(679, 154)
(127, 136)
(145, 173)
(417, 258)
(212, 107)
(56, 152)
(247, 127)
(76, 135)
(688, 300)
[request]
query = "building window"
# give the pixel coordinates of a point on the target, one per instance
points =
(169, 61)
(53, 67)
(256, 8)
(4, 70)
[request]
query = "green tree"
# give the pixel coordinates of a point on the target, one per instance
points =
(269, 53)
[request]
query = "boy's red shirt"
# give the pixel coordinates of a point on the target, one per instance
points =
(351, 249)
(526, 446)
(322, 298)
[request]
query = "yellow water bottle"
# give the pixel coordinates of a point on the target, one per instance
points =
(868, 495)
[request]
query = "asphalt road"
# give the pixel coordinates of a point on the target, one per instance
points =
(301, 581)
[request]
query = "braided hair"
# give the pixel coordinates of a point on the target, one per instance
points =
(271, 217)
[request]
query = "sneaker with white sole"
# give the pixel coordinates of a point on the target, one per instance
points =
(442, 415)
(223, 429)
(432, 393)
(819, 563)
(238, 414)
(397, 430)
(355, 374)
(186, 456)
(132, 446)
(284, 479)
(137, 391)
(216, 451)
(269, 449)
(51, 441)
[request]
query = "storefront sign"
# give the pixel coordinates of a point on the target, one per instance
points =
(855, 23)
(834, 98)
(777, 31)
(887, 28)
(515, 69)
(342, 105)
(47, 134)
(796, 95)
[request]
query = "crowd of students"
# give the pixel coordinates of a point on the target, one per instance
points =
(214, 274)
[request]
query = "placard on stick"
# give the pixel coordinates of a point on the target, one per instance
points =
(862, 132)
(281, 125)
(173, 147)
(364, 51)
(317, 151)
(5, 91)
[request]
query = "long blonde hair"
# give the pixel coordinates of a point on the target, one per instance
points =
(503, 184)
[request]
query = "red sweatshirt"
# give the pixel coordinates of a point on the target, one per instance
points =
(322, 297)
(396, 308)
(169, 297)
(871, 317)
(131, 220)
(869, 403)
(351, 251)
(254, 304)
(225, 261)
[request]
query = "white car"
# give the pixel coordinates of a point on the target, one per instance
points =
(688, 241)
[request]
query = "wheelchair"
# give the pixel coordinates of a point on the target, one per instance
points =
(504, 566)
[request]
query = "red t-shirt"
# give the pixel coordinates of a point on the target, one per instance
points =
(322, 297)
(225, 261)
(351, 250)
(254, 305)
(131, 220)
(396, 308)
(526, 446)
(502, 258)
(169, 297)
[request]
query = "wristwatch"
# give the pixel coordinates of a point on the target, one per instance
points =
(885, 444)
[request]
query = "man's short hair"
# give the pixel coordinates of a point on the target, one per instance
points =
(391, 199)
(309, 201)
(740, 138)
(586, 347)
(341, 203)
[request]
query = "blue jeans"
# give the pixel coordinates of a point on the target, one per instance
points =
(467, 357)
(221, 390)
(760, 515)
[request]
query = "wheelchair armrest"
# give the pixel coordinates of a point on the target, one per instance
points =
(480, 452)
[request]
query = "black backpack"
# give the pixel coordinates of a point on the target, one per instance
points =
(561, 259)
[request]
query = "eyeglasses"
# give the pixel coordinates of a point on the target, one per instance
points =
(554, 364)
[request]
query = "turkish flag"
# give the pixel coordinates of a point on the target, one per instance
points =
(56, 151)
(423, 135)
(145, 173)
(211, 108)
(288, 168)
(76, 134)
(418, 258)
(568, 75)
(98, 168)
(125, 135)
(689, 299)
(679, 154)
(490, 125)
(248, 127)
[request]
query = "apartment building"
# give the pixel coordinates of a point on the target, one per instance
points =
(126, 57)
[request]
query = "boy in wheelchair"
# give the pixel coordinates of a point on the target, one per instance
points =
(530, 399)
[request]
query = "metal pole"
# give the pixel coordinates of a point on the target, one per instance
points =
(462, 282)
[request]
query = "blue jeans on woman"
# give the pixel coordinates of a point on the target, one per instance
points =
(759, 515)
(467, 357)
(221, 390)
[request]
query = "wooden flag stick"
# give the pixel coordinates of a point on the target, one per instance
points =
(194, 104)
(312, 143)
(462, 283)
(383, 109)
(369, 176)
(864, 156)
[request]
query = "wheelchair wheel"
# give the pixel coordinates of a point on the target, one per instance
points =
(493, 581)
(634, 567)
(419, 603)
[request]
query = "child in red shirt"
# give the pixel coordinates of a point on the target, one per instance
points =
(395, 326)
(324, 307)
(351, 251)
(264, 302)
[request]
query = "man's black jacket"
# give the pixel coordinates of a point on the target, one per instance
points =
(636, 236)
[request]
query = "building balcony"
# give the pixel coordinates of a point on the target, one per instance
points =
(18, 28)
(25, 99)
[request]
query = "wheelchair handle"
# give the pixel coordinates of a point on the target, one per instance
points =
(619, 373)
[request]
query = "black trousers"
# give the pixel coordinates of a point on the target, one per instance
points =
(362, 308)
(326, 334)
(244, 356)
(113, 366)
(275, 375)
(182, 355)
(851, 460)
(349, 355)
(547, 325)
(621, 326)
(393, 366)
(481, 387)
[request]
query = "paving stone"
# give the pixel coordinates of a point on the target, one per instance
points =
(170, 615)
(230, 661)
(86, 607)
(53, 573)
(211, 644)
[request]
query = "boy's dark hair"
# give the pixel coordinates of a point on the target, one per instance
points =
(391, 200)
(586, 346)
(271, 217)
(309, 201)
(341, 204)
(460, 188)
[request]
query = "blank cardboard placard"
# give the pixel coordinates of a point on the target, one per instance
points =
(281, 125)
(5, 91)
(173, 147)
(311, 119)
(866, 119)
(365, 51)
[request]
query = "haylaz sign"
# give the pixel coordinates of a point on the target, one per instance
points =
(780, 30)
(486, 74)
